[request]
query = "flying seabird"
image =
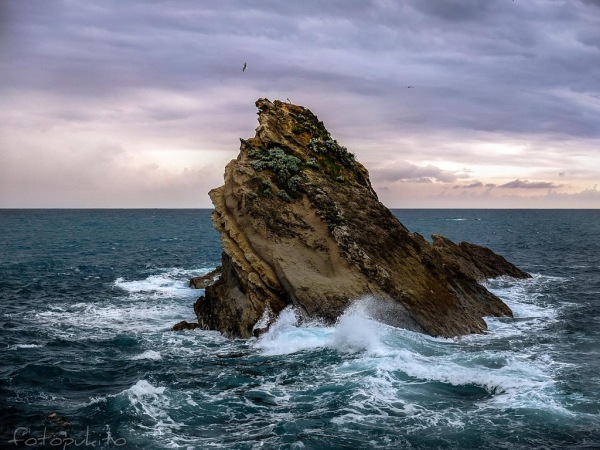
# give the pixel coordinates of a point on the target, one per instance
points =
(244, 68)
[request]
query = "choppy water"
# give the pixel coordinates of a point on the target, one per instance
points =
(88, 297)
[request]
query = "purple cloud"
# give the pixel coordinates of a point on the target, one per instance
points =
(525, 184)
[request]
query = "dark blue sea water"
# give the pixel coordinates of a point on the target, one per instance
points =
(88, 297)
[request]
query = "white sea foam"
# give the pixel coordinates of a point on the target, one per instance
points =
(385, 392)
(151, 404)
(23, 346)
(389, 374)
(112, 317)
(355, 331)
(286, 336)
(170, 282)
(391, 360)
(143, 388)
(264, 319)
(148, 354)
(148, 305)
(458, 369)
(532, 308)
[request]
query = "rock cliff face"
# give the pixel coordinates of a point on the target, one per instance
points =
(301, 225)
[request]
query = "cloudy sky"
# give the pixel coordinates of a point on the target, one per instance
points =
(141, 103)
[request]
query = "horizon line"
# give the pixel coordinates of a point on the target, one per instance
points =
(39, 208)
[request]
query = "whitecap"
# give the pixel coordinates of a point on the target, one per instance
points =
(148, 305)
(23, 346)
(532, 308)
(148, 354)
(354, 331)
(152, 404)
(389, 361)
(112, 317)
(143, 388)
(173, 282)
(357, 331)
(286, 336)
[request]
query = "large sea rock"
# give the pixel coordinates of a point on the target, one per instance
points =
(301, 225)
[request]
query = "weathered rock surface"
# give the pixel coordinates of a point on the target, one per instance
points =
(301, 225)
(204, 280)
(478, 262)
(185, 325)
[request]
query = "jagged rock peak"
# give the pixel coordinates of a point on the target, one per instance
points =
(297, 132)
(301, 225)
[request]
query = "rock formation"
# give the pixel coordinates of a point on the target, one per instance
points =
(301, 225)
(185, 325)
(204, 280)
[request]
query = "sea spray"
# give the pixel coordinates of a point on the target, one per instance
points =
(356, 330)
(169, 282)
(286, 335)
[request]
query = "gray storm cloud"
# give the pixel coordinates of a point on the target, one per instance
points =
(525, 184)
(475, 65)
(405, 171)
(169, 76)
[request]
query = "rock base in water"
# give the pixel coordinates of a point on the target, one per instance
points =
(185, 325)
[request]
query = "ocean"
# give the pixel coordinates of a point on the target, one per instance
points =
(88, 297)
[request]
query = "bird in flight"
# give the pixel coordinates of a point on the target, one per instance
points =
(410, 87)
(244, 68)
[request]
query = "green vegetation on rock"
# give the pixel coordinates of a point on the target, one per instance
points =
(330, 147)
(286, 169)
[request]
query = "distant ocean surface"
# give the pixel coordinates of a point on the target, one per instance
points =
(88, 297)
